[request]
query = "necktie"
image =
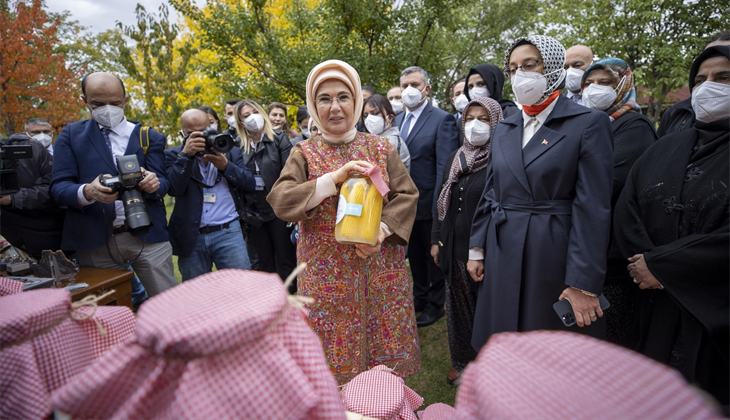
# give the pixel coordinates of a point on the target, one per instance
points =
(406, 127)
(576, 97)
(105, 132)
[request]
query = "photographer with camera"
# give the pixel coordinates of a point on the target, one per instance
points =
(207, 176)
(103, 230)
(31, 220)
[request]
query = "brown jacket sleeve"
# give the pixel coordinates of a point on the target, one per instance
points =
(400, 211)
(292, 190)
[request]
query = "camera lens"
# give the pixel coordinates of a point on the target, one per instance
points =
(223, 143)
(137, 219)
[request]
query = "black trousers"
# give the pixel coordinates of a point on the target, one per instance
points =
(428, 279)
(275, 252)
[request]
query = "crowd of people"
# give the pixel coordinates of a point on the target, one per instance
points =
(501, 210)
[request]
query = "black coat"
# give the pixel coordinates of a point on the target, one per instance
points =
(270, 156)
(674, 209)
(452, 234)
(544, 220)
(33, 221)
(633, 133)
(678, 117)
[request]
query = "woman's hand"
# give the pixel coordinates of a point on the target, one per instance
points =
(586, 308)
(365, 250)
(360, 166)
(435, 254)
(639, 271)
(476, 269)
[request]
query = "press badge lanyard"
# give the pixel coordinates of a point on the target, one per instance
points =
(257, 176)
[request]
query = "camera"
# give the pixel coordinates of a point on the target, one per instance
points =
(126, 184)
(222, 143)
(9, 154)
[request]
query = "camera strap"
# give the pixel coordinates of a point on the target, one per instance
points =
(108, 250)
(144, 139)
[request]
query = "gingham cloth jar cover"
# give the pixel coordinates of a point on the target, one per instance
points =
(225, 345)
(564, 375)
(381, 394)
(9, 286)
(42, 347)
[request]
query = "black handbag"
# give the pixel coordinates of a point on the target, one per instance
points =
(251, 218)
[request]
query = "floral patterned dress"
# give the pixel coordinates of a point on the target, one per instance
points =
(363, 309)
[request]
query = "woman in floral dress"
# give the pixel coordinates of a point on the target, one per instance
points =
(363, 309)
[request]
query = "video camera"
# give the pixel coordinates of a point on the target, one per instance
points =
(222, 143)
(9, 155)
(126, 183)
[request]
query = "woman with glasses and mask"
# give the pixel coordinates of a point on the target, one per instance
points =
(378, 115)
(608, 86)
(265, 153)
(362, 309)
(671, 225)
(463, 183)
(541, 229)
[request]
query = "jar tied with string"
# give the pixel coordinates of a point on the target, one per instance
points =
(359, 210)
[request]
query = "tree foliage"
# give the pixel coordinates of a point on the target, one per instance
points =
(266, 48)
(34, 79)
(157, 67)
(657, 38)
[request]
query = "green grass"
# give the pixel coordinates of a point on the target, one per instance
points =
(430, 383)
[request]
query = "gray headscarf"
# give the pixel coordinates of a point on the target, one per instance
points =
(553, 57)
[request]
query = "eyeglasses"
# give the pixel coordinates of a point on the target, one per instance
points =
(527, 66)
(328, 101)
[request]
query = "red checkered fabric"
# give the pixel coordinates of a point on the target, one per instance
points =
(382, 394)
(222, 346)
(9, 287)
(438, 411)
(31, 370)
(562, 375)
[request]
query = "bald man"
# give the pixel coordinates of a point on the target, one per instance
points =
(204, 227)
(577, 60)
(96, 225)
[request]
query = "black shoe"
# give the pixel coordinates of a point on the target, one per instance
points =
(430, 315)
(419, 306)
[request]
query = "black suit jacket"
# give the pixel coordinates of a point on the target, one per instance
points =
(433, 137)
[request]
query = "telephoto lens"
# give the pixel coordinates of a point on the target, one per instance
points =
(137, 220)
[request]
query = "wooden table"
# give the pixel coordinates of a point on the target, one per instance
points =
(102, 280)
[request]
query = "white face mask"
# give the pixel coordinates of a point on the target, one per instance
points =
(214, 126)
(231, 121)
(477, 132)
(528, 87)
(412, 96)
(375, 124)
(478, 92)
(573, 78)
(108, 115)
(306, 133)
(397, 106)
(461, 102)
(254, 123)
(711, 101)
(44, 138)
(598, 97)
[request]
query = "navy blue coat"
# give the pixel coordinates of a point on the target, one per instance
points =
(185, 218)
(431, 140)
(543, 220)
(80, 155)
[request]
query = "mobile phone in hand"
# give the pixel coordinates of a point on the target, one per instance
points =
(565, 310)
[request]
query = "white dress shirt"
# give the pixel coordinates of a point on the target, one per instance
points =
(119, 138)
(576, 97)
(530, 125)
(416, 113)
